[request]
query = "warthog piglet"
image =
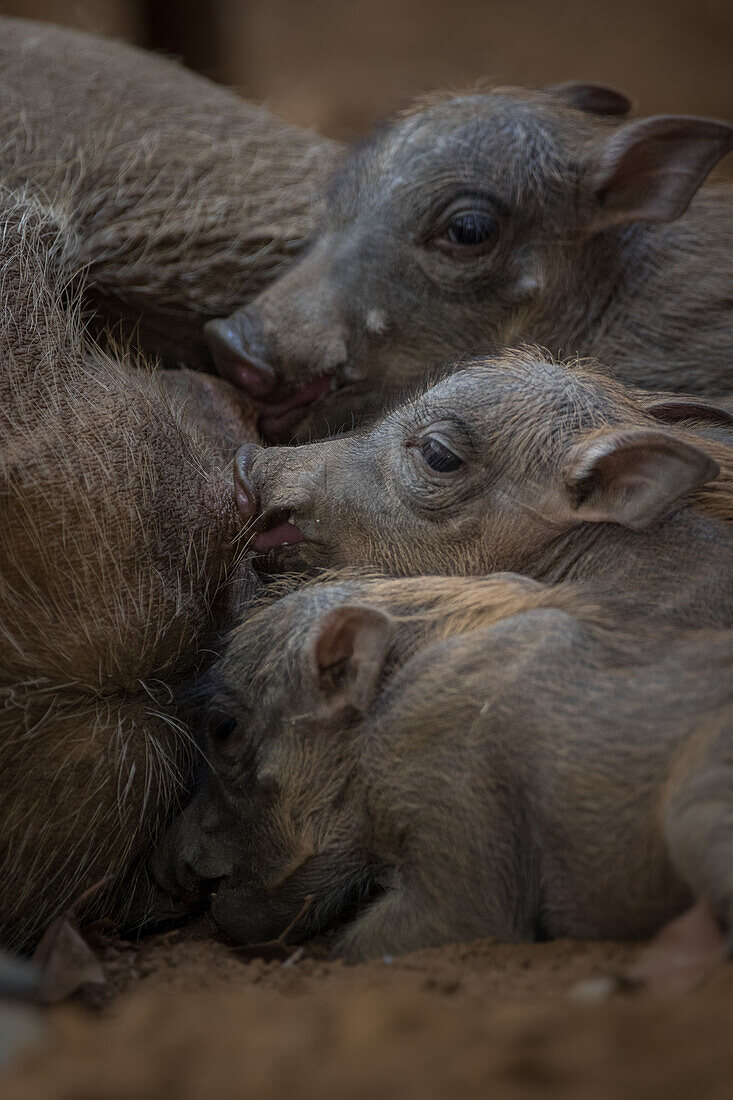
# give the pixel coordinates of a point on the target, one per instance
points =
(387, 761)
(516, 463)
(482, 221)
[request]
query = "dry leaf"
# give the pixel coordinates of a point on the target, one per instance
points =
(64, 958)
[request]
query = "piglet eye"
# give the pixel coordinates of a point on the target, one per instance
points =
(471, 228)
(439, 457)
(223, 729)
(468, 233)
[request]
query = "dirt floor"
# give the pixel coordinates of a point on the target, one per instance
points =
(186, 1016)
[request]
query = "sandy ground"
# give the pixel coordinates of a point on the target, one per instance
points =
(184, 1015)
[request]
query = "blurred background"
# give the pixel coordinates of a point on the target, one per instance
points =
(336, 65)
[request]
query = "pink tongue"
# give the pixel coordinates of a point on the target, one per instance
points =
(304, 396)
(285, 534)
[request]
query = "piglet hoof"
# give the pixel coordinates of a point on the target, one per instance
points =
(685, 952)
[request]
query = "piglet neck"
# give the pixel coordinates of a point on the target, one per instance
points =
(611, 553)
(580, 312)
(674, 567)
(572, 555)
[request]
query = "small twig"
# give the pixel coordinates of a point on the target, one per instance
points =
(296, 956)
(273, 948)
(303, 910)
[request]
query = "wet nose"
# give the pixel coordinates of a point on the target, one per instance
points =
(245, 492)
(236, 346)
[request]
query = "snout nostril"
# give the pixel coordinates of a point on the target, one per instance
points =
(177, 878)
(225, 337)
(246, 456)
(245, 492)
(238, 356)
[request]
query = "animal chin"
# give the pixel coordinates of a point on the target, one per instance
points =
(278, 418)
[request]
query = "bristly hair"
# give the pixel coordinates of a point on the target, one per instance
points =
(425, 100)
(118, 531)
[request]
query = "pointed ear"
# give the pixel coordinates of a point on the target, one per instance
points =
(596, 99)
(650, 170)
(349, 652)
(632, 476)
(678, 410)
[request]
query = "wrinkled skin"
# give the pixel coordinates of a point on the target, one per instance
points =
(378, 738)
(119, 563)
(489, 220)
(552, 471)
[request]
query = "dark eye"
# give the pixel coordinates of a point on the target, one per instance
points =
(223, 729)
(439, 457)
(468, 233)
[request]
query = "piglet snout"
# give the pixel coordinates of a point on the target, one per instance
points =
(246, 495)
(236, 348)
(272, 527)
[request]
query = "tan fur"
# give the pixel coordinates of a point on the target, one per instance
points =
(531, 761)
(118, 558)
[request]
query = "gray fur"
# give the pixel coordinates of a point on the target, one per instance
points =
(603, 247)
(187, 201)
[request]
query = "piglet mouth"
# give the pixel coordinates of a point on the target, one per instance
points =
(278, 418)
(249, 919)
(276, 530)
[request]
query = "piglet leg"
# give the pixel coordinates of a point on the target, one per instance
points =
(698, 824)
(400, 921)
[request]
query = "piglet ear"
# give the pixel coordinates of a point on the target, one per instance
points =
(671, 409)
(349, 651)
(632, 476)
(650, 170)
(596, 99)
